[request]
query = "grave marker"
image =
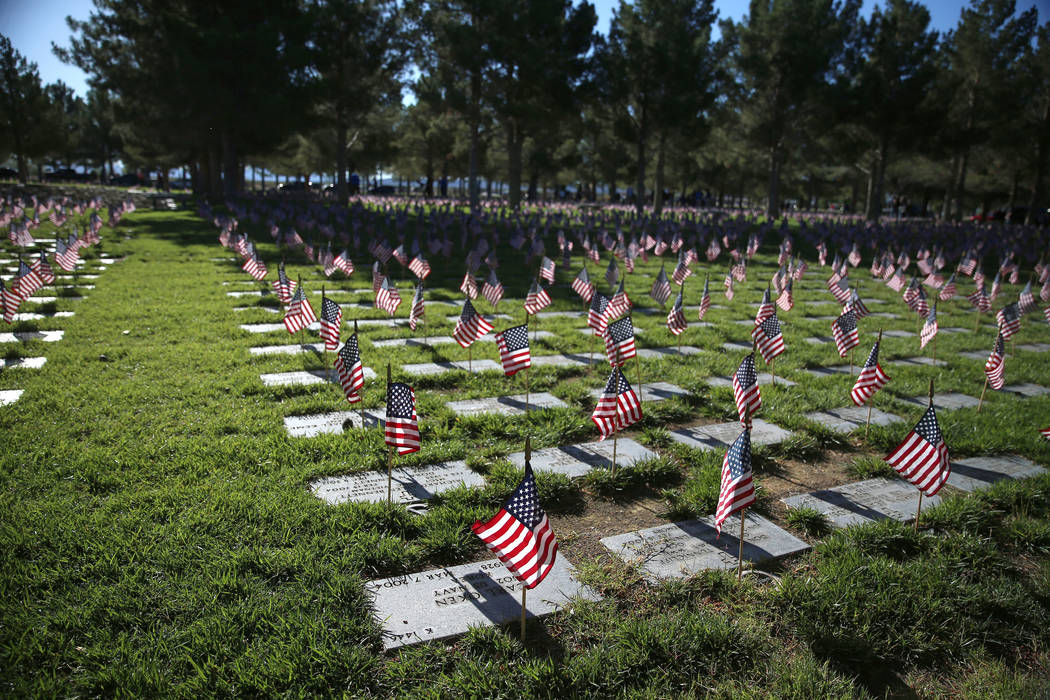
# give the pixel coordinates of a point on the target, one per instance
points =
(327, 423)
(864, 501)
(850, 418)
(9, 396)
(23, 336)
(505, 405)
(578, 460)
(655, 391)
(719, 436)
(944, 402)
(408, 484)
(975, 472)
(304, 377)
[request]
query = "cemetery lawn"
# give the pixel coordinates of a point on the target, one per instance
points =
(158, 536)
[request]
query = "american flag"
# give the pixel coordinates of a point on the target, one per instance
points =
(1009, 320)
(739, 271)
(979, 299)
(752, 245)
(769, 337)
(492, 289)
(1026, 301)
(27, 281)
(996, 364)
(779, 278)
(619, 341)
(949, 290)
(856, 305)
(786, 299)
(468, 286)
(547, 269)
(331, 323)
(745, 388)
(43, 268)
(661, 290)
(343, 263)
(308, 249)
(596, 318)
(521, 535)
(10, 300)
(282, 286)
(402, 424)
(897, 281)
(582, 285)
(915, 297)
(713, 249)
(728, 284)
(844, 328)
(537, 299)
(681, 270)
(349, 369)
(661, 245)
(1046, 314)
(870, 379)
(513, 345)
(612, 273)
(854, 256)
(968, 264)
(388, 298)
(65, 255)
(327, 260)
(922, 458)
(618, 406)
(841, 291)
(738, 487)
(419, 267)
(470, 326)
(996, 286)
(1045, 432)
(785, 251)
(835, 274)
(619, 304)
(299, 314)
(255, 267)
(705, 300)
(822, 253)
(377, 277)
(676, 317)
(765, 309)
(1044, 291)
(418, 309)
(929, 329)
(399, 254)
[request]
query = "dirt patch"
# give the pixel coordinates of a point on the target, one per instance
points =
(579, 533)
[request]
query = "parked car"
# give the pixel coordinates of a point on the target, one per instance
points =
(125, 180)
(294, 187)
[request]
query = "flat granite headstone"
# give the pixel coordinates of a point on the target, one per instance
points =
(848, 419)
(830, 371)
(9, 396)
(408, 484)
(253, 293)
(23, 362)
(975, 355)
(502, 317)
(719, 436)
(505, 405)
(327, 423)
(733, 346)
(316, 348)
(819, 340)
(953, 329)
(884, 314)
(39, 317)
(431, 368)
(922, 361)
(274, 327)
(441, 603)
(654, 391)
(678, 550)
(1035, 347)
(568, 360)
(577, 460)
(764, 378)
(590, 331)
(444, 340)
(561, 314)
(975, 472)
(23, 336)
(305, 377)
(661, 353)
(898, 334)
(267, 309)
(1027, 389)
(864, 501)
(944, 402)
(48, 300)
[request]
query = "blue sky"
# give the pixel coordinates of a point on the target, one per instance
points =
(33, 24)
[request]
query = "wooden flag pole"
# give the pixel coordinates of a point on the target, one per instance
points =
(528, 461)
(871, 400)
(361, 407)
(470, 360)
(984, 389)
(977, 325)
(918, 509)
(526, 392)
(773, 370)
(851, 362)
(616, 432)
(390, 449)
(743, 511)
(638, 364)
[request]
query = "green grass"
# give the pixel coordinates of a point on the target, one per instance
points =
(158, 538)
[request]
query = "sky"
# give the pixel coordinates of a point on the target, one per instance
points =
(32, 25)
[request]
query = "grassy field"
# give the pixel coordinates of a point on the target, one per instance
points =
(157, 536)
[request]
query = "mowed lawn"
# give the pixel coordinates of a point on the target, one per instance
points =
(158, 536)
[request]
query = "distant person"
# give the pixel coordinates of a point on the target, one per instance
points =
(355, 183)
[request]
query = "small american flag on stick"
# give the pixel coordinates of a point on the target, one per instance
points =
(870, 379)
(513, 345)
(470, 326)
(844, 329)
(738, 489)
(705, 300)
(582, 285)
(676, 322)
(418, 309)
(349, 369)
(922, 458)
(619, 341)
(402, 424)
(745, 388)
(995, 367)
(388, 298)
(769, 338)
(492, 289)
(331, 322)
(537, 299)
(299, 314)
(618, 406)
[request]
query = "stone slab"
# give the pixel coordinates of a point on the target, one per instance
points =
(764, 378)
(24, 336)
(23, 362)
(898, 334)
(678, 550)
(267, 309)
(25, 316)
(733, 346)
(432, 368)
(274, 327)
(922, 361)
(975, 355)
(567, 360)
(47, 300)
(864, 502)
(441, 603)
(505, 405)
(944, 402)
(407, 485)
(1035, 347)
(831, 371)
(561, 314)
(975, 472)
(578, 460)
(850, 418)
(254, 293)
(719, 436)
(819, 340)
(316, 348)
(444, 340)
(9, 396)
(502, 317)
(954, 329)
(1027, 389)
(884, 314)
(67, 287)
(305, 377)
(590, 331)
(656, 391)
(327, 423)
(661, 353)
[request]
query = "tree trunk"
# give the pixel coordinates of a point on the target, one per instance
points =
(639, 193)
(877, 180)
(534, 183)
(514, 145)
(773, 205)
(949, 191)
(342, 191)
(658, 195)
(229, 166)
